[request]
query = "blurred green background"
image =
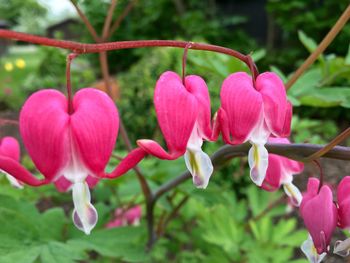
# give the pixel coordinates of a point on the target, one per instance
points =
(226, 222)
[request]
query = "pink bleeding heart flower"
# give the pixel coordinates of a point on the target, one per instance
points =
(280, 172)
(342, 248)
(183, 112)
(320, 217)
(131, 216)
(68, 146)
(253, 113)
(9, 147)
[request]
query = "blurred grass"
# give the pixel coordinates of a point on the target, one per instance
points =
(13, 79)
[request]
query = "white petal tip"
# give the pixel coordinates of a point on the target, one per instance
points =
(310, 251)
(84, 215)
(258, 163)
(342, 248)
(200, 166)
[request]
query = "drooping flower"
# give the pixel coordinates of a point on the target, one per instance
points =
(9, 147)
(68, 146)
(131, 216)
(342, 248)
(253, 113)
(280, 172)
(320, 216)
(183, 112)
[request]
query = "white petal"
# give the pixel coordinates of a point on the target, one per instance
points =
(84, 214)
(310, 251)
(342, 248)
(293, 193)
(200, 166)
(258, 162)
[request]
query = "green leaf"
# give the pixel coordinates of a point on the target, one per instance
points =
(55, 252)
(308, 42)
(347, 58)
(20, 255)
(121, 242)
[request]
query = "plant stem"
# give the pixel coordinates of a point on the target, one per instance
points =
(321, 47)
(224, 154)
(83, 48)
(119, 20)
(70, 58)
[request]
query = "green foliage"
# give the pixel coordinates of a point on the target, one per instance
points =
(325, 84)
(314, 18)
(224, 230)
(21, 13)
(45, 237)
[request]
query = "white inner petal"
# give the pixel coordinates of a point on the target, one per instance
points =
(342, 248)
(258, 162)
(84, 214)
(310, 251)
(293, 193)
(198, 162)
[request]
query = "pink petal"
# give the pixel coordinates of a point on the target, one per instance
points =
(196, 86)
(177, 111)
(272, 181)
(9, 147)
(224, 126)
(344, 213)
(312, 189)
(44, 129)
(343, 191)
(156, 150)
(276, 107)
(320, 218)
(63, 185)
(287, 121)
(133, 214)
(16, 170)
(94, 125)
(242, 105)
(129, 162)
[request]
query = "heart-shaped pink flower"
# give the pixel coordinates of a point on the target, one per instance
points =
(253, 113)
(183, 112)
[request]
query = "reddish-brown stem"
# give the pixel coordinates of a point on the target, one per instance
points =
(317, 163)
(108, 20)
(70, 58)
(86, 21)
(119, 20)
(83, 48)
(184, 61)
(341, 137)
(8, 122)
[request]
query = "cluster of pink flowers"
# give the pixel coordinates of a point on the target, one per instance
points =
(72, 149)
(322, 215)
(128, 217)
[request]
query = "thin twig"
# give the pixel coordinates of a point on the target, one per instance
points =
(86, 21)
(108, 20)
(321, 47)
(329, 146)
(119, 20)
